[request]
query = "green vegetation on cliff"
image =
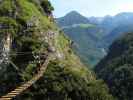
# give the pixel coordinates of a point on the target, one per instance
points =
(66, 77)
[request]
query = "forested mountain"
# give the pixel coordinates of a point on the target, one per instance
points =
(85, 36)
(117, 26)
(72, 18)
(117, 32)
(117, 68)
(92, 36)
(28, 36)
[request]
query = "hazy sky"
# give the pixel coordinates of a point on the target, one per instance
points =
(92, 7)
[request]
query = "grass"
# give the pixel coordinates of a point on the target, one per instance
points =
(6, 7)
(86, 25)
(8, 21)
(72, 62)
(11, 24)
(83, 26)
(30, 41)
(31, 13)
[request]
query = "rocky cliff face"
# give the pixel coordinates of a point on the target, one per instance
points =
(31, 33)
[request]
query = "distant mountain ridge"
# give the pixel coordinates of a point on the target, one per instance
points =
(81, 31)
(72, 18)
(94, 35)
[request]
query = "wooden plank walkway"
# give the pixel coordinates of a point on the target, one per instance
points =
(28, 84)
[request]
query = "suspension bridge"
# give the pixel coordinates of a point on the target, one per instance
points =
(18, 90)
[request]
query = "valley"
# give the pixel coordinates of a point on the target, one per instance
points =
(93, 36)
(116, 68)
(65, 58)
(106, 44)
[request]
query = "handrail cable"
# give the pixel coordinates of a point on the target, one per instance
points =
(25, 86)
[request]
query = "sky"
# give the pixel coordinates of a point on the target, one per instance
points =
(88, 8)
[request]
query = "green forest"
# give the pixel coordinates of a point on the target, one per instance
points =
(67, 58)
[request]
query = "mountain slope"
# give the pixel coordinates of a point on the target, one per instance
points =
(118, 32)
(85, 36)
(117, 26)
(28, 33)
(72, 18)
(93, 37)
(116, 68)
(85, 45)
(113, 26)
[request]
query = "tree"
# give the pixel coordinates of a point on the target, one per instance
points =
(47, 7)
